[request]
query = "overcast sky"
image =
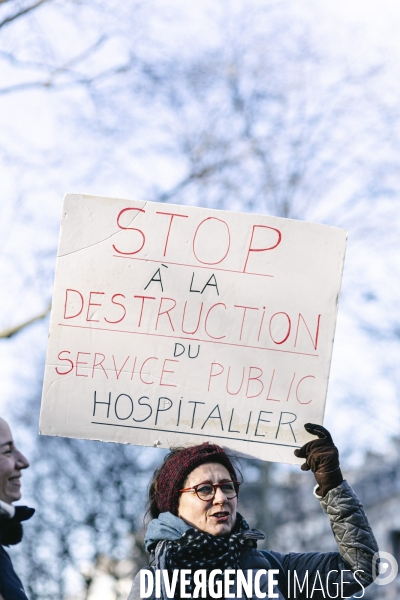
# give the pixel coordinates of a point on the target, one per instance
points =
(365, 32)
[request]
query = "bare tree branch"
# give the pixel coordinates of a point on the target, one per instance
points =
(78, 80)
(8, 333)
(76, 60)
(22, 12)
(52, 72)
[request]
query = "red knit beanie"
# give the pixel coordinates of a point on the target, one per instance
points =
(176, 469)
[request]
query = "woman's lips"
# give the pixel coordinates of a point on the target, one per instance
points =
(221, 517)
(15, 481)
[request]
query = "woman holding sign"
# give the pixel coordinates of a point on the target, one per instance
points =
(200, 546)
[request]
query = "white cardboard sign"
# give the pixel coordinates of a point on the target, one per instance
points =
(173, 325)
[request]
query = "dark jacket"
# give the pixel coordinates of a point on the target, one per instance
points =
(316, 570)
(11, 587)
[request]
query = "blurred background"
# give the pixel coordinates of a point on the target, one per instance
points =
(281, 107)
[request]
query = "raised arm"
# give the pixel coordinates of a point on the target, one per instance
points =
(345, 572)
(340, 574)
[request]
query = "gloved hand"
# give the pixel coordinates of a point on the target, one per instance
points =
(322, 457)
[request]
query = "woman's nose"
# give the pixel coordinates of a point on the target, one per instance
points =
(22, 461)
(219, 496)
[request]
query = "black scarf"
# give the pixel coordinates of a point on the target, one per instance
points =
(200, 550)
(11, 531)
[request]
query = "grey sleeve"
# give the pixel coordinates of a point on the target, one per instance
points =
(353, 534)
(340, 573)
(134, 594)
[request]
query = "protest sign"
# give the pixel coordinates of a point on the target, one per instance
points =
(173, 325)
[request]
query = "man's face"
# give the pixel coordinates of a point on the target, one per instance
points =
(216, 516)
(12, 461)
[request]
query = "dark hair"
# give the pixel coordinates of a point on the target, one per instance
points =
(231, 463)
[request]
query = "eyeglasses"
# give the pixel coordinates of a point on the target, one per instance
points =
(207, 491)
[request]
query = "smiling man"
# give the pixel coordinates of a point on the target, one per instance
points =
(12, 462)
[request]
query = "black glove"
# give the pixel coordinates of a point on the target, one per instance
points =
(322, 457)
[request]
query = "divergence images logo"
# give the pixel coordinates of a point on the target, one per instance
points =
(385, 565)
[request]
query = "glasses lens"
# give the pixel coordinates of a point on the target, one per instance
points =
(229, 489)
(205, 491)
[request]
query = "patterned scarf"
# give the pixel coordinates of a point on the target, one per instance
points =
(200, 550)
